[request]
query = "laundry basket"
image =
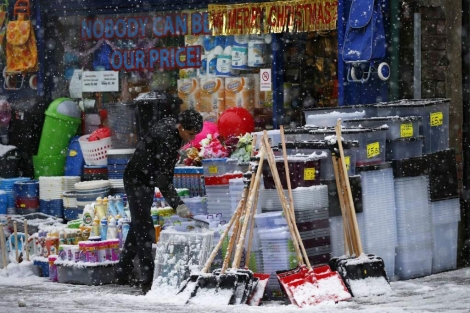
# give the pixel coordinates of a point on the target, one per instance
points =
(95, 152)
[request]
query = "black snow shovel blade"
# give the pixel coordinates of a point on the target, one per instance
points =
(356, 271)
(244, 285)
(209, 288)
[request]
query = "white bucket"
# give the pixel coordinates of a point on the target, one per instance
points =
(256, 53)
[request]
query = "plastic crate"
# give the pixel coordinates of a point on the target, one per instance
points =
(369, 110)
(214, 167)
(404, 148)
(435, 124)
(330, 119)
(398, 127)
(86, 275)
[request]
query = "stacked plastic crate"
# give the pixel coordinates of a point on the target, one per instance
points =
(311, 216)
(378, 200)
(414, 228)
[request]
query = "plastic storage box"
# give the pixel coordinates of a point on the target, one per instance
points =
(369, 110)
(327, 172)
(304, 171)
(398, 127)
(121, 119)
(435, 124)
(270, 220)
(371, 142)
(330, 119)
(86, 275)
(299, 134)
(404, 148)
(214, 167)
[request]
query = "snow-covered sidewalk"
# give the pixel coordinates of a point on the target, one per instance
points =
(22, 292)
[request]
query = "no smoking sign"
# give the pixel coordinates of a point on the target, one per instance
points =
(265, 79)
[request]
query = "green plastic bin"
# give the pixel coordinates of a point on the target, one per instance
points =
(48, 165)
(63, 117)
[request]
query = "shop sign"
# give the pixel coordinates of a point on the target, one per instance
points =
(273, 17)
(162, 25)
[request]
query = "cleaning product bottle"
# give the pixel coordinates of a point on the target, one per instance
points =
(111, 206)
(119, 232)
(101, 210)
(88, 215)
(62, 240)
(112, 229)
(125, 229)
(104, 228)
(96, 226)
(120, 205)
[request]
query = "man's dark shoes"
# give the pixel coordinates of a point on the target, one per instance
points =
(144, 286)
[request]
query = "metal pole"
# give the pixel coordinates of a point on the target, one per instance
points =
(417, 56)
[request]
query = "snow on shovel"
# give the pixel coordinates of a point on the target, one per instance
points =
(359, 271)
(302, 285)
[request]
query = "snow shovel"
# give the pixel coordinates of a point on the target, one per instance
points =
(191, 281)
(224, 285)
(302, 285)
(247, 280)
(358, 268)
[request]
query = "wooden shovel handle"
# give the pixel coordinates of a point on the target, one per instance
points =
(252, 225)
(216, 249)
(26, 245)
(3, 246)
(341, 194)
(232, 240)
(253, 144)
(345, 176)
(282, 197)
(249, 206)
(291, 199)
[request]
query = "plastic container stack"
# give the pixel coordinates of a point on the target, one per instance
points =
(197, 205)
(445, 220)
(311, 216)
(7, 185)
(26, 196)
(380, 226)
(435, 119)
(117, 162)
(218, 195)
(88, 191)
(51, 190)
(414, 227)
(190, 177)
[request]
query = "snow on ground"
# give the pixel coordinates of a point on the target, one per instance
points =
(444, 292)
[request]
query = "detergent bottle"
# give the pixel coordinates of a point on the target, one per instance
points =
(112, 229)
(88, 215)
(112, 206)
(120, 205)
(104, 228)
(101, 210)
(96, 226)
(119, 232)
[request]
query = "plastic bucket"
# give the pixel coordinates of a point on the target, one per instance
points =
(48, 165)
(58, 127)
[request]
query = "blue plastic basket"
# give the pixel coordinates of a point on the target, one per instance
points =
(52, 207)
(43, 268)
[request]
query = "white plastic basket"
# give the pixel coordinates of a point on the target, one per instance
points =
(95, 152)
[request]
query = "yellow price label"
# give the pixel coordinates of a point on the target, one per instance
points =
(213, 170)
(373, 149)
(406, 130)
(347, 161)
(436, 119)
(23, 205)
(309, 173)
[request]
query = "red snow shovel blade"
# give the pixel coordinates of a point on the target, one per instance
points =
(258, 292)
(306, 287)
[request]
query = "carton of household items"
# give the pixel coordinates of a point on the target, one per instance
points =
(224, 65)
(256, 51)
(239, 92)
(240, 52)
(189, 92)
(212, 102)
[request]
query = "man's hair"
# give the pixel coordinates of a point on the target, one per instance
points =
(191, 120)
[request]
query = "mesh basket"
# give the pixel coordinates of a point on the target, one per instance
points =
(95, 152)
